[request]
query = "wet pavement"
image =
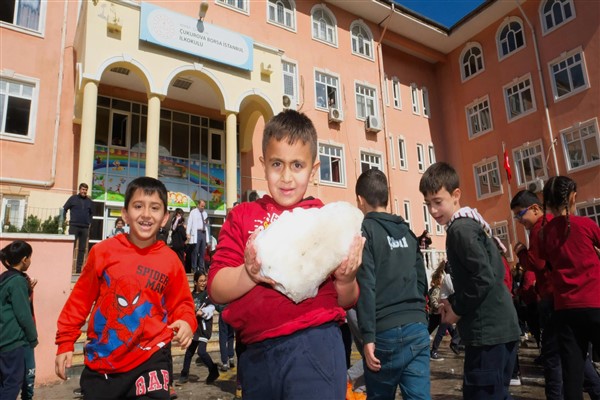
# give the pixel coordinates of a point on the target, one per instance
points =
(446, 380)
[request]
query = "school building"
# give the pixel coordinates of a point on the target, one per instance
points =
(105, 91)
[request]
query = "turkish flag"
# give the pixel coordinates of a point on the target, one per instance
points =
(507, 166)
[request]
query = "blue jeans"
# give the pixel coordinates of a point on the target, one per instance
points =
(488, 370)
(404, 356)
(226, 336)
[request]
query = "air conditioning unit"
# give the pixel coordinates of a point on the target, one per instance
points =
(253, 195)
(287, 101)
(335, 115)
(536, 186)
(373, 124)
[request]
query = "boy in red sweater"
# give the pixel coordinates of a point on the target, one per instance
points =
(137, 291)
(294, 351)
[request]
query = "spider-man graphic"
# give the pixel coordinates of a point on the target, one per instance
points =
(118, 320)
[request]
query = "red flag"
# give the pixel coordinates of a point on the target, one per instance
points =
(507, 166)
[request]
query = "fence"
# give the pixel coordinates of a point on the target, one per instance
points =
(33, 220)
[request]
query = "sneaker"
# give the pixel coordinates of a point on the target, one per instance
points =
(434, 356)
(231, 363)
(455, 349)
(183, 379)
(212, 375)
(172, 392)
(77, 393)
(223, 368)
(515, 381)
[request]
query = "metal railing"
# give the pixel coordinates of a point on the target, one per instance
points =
(34, 220)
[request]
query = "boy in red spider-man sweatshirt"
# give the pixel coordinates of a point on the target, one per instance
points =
(137, 291)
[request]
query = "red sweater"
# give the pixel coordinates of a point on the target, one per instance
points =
(263, 312)
(135, 293)
(575, 263)
(531, 260)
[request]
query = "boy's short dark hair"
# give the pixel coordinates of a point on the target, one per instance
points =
(149, 186)
(524, 199)
(437, 176)
(83, 185)
(372, 186)
(292, 126)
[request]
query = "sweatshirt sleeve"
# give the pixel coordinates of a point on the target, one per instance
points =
(22, 310)
(366, 307)
(531, 258)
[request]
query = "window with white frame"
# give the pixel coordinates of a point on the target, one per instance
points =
(392, 159)
(500, 230)
(426, 218)
(569, 75)
(331, 169)
(487, 178)
(471, 61)
(370, 161)
(590, 209)
(23, 13)
(327, 89)
(431, 154)
(407, 211)
(581, 145)
(396, 93)
(554, 13)
(402, 154)
(420, 157)
(282, 12)
(386, 90)
(511, 37)
(479, 117)
(425, 97)
(439, 229)
(241, 5)
(519, 98)
(290, 81)
(18, 103)
(362, 40)
(12, 213)
(529, 160)
(414, 95)
(323, 25)
(365, 101)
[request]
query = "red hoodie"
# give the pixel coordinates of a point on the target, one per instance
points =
(532, 260)
(263, 312)
(135, 293)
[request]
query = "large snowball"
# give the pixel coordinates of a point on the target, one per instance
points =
(303, 247)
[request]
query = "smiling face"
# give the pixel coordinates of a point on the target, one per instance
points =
(288, 170)
(145, 214)
(201, 283)
(442, 205)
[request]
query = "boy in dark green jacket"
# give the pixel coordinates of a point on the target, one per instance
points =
(481, 306)
(391, 305)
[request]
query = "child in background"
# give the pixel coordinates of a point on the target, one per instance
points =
(136, 289)
(481, 306)
(18, 335)
(204, 315)
(119, 227)
(289, 345)
(569, 244)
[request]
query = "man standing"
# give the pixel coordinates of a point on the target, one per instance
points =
(196, 233)
(81, 217)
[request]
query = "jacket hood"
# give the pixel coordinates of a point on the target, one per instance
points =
(393, 224)
(9, 274)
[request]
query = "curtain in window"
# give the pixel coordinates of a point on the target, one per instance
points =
(28, 14)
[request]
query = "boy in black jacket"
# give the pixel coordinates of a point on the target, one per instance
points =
(391, 306)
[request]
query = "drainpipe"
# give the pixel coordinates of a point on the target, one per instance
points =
(541, 78)
(50, 182)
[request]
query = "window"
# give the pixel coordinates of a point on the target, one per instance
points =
(396, 92)
(290, 81)
(590, 209)
(362, 40)
(18, 102)
(420, 158)
(332, 164)
(414, 91)
(402, 154)
(119, 130)
(519, 98)
(439, 229)
(323, 25)
(407, 211)
(510, 37)
(431, 154)
(500, 230)
(369, 161)
(326, 87)
(479, 117)
(471, 61)
(426, 218)
(487, 179)
(568, 74)
(425, 97)
(23, 13)
(529, 160)
(12, 213)
(386, 93)
(241, 5)
(391, 151)
(555, 13)
(365, 101)
(581, 145)
(282, 12)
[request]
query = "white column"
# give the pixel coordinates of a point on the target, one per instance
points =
(88, 133)
(152, 136)
(230, 160)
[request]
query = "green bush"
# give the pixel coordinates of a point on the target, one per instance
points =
(11, 228)
(51, 225)
(31, 225)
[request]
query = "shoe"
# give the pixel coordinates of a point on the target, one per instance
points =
(212, 375)
(223, 368)
(515, 381)
(231, 363)
(183, 379)
(455, 349)
(172, 392)
(434, 356)
(77, 393)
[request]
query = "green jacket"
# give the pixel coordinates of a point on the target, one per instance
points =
(17, 327)
(481, 299)
(392, 278)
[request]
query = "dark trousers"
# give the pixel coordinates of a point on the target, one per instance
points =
(439, 336)
(28, 383)
(199, 251)
(81, 242)
(488, 370)
(12, 372)
(226, 338)
(202, 353)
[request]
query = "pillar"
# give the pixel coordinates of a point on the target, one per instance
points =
(231, 161)
(88, 134)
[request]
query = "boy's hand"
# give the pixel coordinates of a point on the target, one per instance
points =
(519, 247)
(346, 271)
(448, 315)
(252, 263)
(372, 362)
(61, 363)
(183, 333)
